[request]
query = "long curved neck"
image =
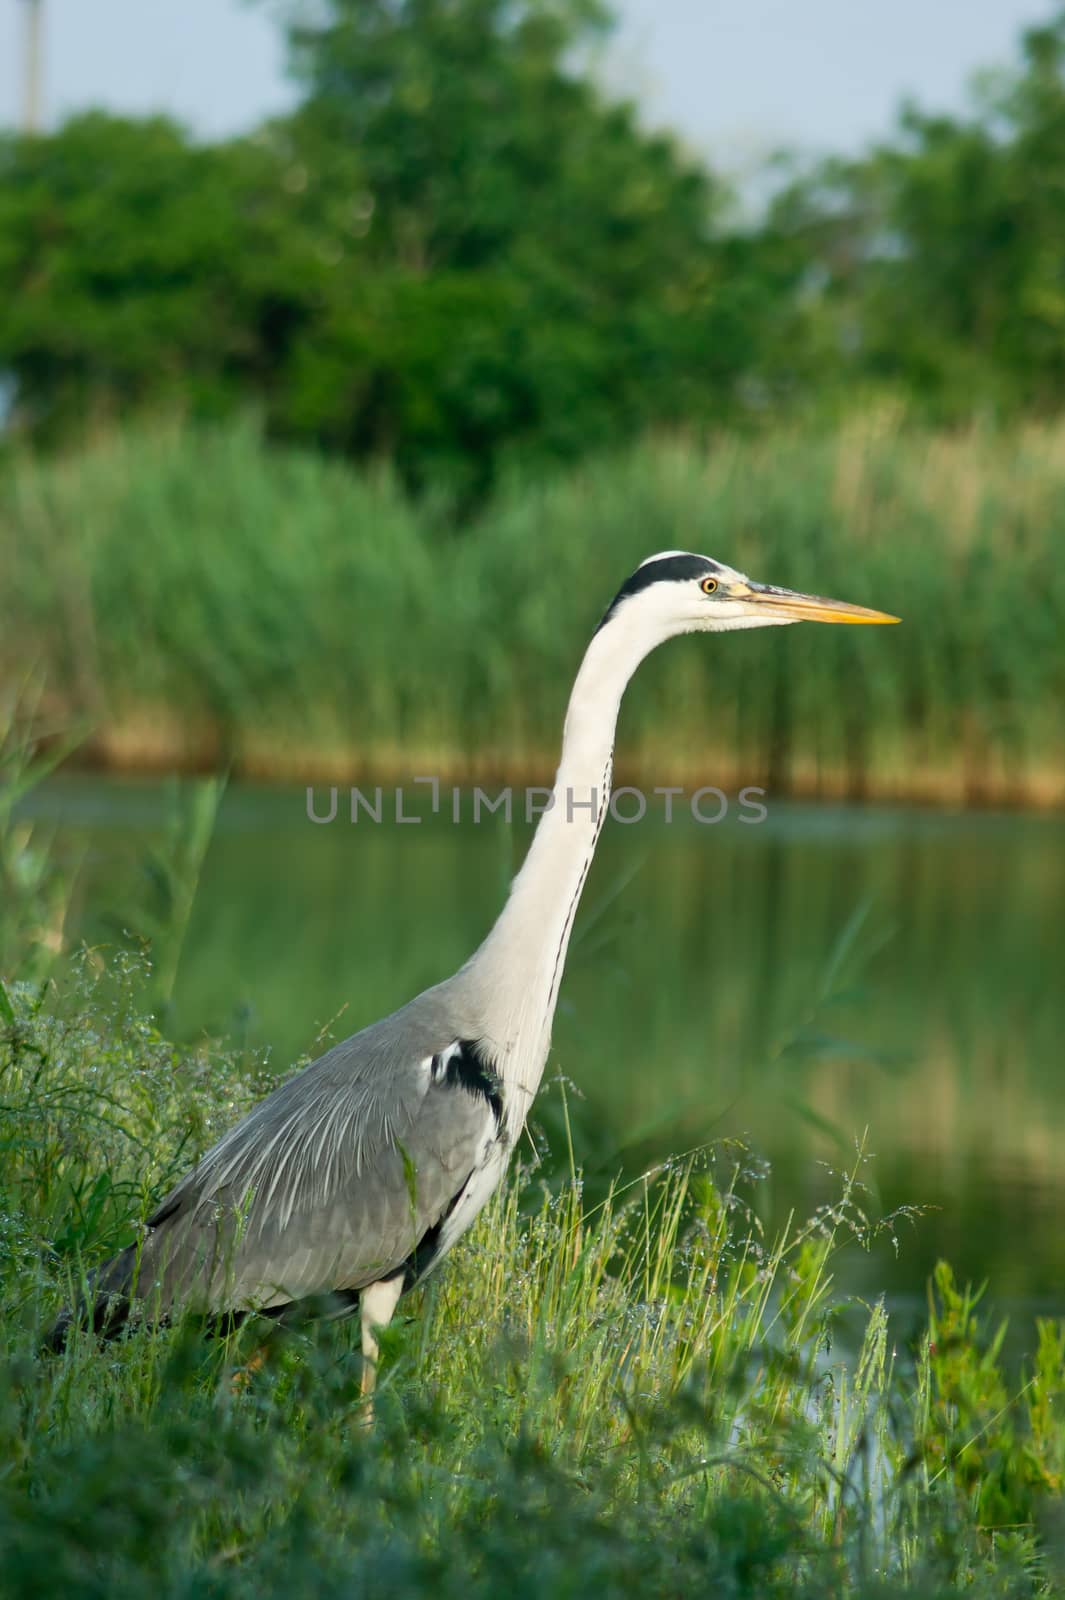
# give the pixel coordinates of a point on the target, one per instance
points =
(518, 969)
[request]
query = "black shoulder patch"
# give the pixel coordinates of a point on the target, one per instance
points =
(469, 1067)
(668, 569)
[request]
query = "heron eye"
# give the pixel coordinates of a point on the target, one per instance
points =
(708, 585)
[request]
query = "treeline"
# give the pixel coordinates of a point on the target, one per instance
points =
(457, 253)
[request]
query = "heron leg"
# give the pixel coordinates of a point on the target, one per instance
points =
(376, 1305)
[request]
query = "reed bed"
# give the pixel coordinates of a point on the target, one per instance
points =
(197, 598)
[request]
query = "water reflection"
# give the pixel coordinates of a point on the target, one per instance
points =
(827, 972)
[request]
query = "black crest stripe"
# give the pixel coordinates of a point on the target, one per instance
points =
(670, 569)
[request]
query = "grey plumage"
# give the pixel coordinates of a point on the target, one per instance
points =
(356, 1176)
(336, 1180)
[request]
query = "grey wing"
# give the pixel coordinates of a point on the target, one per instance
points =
(330, 1184)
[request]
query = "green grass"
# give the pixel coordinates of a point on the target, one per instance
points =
(641, 1397)
(199, 599)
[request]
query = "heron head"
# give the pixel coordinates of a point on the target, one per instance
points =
(678, 592)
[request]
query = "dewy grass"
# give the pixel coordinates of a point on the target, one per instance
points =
(201, 598)
(644, 1396)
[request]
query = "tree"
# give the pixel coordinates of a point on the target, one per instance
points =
(137, 268)
(456, 254)
(542, 276)
(939, 258)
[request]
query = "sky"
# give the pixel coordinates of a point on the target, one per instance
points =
(735, 78)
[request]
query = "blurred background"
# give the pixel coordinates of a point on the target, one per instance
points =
(351, 354)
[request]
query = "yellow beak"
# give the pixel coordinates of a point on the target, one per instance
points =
(807, 607)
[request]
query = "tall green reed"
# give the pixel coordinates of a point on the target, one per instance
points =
(34, 888)
(644, 1390)
(202, 597)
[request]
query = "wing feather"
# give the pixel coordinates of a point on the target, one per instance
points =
(329, 1184)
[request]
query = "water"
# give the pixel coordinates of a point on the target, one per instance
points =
(831, 975)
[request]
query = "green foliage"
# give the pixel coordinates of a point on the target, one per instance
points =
(461, 256)
(138, 269)
(546, 277)
(636, 1391)
(1002, 1450)
(200, 599)
(34, 893)
(641, 1392)
(935, 259)
(99, 1113)
(456, 254)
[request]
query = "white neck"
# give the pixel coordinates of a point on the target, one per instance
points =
(517, 970)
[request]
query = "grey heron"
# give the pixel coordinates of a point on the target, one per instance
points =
(345, 1186)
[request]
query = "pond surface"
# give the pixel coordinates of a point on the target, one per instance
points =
(829, 975)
